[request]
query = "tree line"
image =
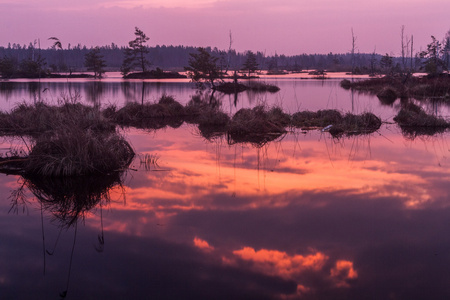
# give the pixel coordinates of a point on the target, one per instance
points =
(31, 61)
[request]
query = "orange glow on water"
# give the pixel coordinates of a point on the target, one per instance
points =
(199, 176)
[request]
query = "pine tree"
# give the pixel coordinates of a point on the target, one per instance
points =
(94, 62)
(203, 67)
(433, 63)
(250, 65)
(136, 53)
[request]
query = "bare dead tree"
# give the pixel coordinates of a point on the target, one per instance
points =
(405, 42)
(353, 50)
(412, 49)
(402, 32)
(229, 53)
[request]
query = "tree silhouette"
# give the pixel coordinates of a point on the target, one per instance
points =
(94, 61)
(386, 63)
(433, 63)
(250, 65)
(203, 67)
(136, 53)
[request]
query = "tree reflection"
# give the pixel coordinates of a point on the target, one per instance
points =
(94, 91)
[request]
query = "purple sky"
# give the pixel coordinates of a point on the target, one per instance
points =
(282, 26)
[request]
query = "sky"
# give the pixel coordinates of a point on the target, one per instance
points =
(272, 26)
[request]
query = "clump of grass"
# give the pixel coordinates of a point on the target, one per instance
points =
(412, 115)
(255, 125)
(257, 86)
(278, 116)
(356, 124)
(231, 88)
(321, 118)
(405, 86)
(35, 119)
(73, 151)
(167, 112)
(346, 84)
(174, 108)
(206, 113)
(387, 95)
(335, 123)
(414, 121)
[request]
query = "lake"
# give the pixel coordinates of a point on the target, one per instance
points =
(306, 216)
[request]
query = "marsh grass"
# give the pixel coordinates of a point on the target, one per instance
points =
(76, 140)
(69, 199)
(256, 126)
(335, 123)
(258, 86)
(36, 119)
(321, 118)
(166, 112)
(405, 86)
(356, 124)
(255, 86)
(414, 121)
(72, 151)
(231, 88)
(387, 95)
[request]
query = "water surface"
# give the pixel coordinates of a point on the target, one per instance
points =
(304, 217)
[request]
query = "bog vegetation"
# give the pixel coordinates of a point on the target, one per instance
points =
(72, 139)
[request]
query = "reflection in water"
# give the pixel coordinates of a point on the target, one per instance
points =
(293, 267)
(67, 198)
(305, 217)
(302, 218)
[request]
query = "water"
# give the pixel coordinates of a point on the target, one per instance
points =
(303, 217)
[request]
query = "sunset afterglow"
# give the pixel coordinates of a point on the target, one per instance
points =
(285, 27)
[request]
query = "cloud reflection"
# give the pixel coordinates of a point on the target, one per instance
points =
(289, 267)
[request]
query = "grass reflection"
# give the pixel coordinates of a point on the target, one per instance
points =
(68, 199)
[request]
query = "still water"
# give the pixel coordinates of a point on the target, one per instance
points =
(304, 217)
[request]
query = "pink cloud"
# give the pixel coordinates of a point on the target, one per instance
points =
(202, 244)
(343, 272)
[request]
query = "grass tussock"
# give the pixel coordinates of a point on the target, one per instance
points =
(255, 86)
(335, 123)
(387, 95)
(257, 126)
(258, 86)
(321, 118)
(414, 122)
(72, 151)
(405, 86)
(412, 115)
(207, 114)
(167, 112)
(356, 124)
(35, 119)
(231, 88)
